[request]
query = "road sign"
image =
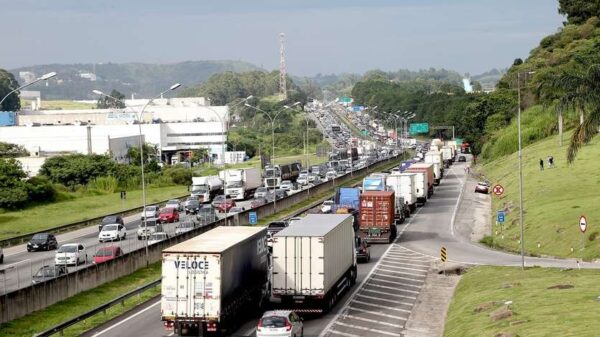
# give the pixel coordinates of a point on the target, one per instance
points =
(415, 128)
(443, 254)
(582, 223)
(252, 218)
(498, 189)
(500, 217)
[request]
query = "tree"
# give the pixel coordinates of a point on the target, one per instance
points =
(8, 84)
(13, 190)
(8, 150)
(150, 152)
(76, 169)
(110, 103)
(578, 11)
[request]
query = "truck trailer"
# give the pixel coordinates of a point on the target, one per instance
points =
(209, 280)
(205, 188)
(314, 262)
(428, 170)
(241, 183)
(377, 216)
(403, 185)
(435, 158)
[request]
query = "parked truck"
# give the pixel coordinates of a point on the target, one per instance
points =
(314, 262)
(209, 280)
(426, 168)
(205, 188)
(403, 185)
(435, 158)
(377, 218)
(241, 183)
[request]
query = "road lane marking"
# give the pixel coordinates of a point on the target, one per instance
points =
(389, 294)
(377, 313)
(394, 274)
(345, 334)
(382, 299)
(392, 288)
(394, 262)
(394, 282)
(404, 268)
(380, 306)
(127, 319)
(368, 329)
(358, 318)
(458, 200)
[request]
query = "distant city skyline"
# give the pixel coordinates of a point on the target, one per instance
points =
(321, 36)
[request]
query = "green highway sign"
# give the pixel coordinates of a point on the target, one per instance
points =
(418, 128)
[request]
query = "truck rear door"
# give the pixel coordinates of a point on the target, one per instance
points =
(298, 266)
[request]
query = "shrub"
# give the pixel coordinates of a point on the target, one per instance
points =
(105, 184)
(40, 189)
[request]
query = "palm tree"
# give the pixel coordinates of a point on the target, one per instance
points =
(582, 93)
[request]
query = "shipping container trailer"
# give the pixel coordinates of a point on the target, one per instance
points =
(377, 216)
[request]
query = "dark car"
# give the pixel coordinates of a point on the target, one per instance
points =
(482, 187)
(280, 194)
(111, 219)
(226, 205)
(191, 206)
(363, 253)
(273, 228)
(255, 203)
(48, 272)
(206, 214)
(462, 159)
(42, 241)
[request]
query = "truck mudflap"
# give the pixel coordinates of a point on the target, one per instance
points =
(378, 235)
(421, 201)
(436, 182)
(193, 328)
(429, 191)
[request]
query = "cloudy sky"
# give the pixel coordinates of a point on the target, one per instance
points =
(322, 36)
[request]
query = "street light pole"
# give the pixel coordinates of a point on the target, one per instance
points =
(42, 78)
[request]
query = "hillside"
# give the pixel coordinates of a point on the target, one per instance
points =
(76, 81)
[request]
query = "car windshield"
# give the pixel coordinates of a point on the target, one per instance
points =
(273, 322)
(150, 208)
(200, 188)
(166, 211)
(40, 237)
(68, 249)
(104, 252)
(109, 219)
(110, 228)
(261, 189)
(46, 272)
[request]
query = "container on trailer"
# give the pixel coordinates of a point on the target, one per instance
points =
(428, 170)
(377, 216)
(435, 158)
(205, 188)
(241, 183)
(403, 184)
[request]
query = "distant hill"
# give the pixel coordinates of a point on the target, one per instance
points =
(76, 81)
(489, 79)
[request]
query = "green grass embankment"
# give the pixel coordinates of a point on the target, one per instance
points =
(554, 199)
(539, 306)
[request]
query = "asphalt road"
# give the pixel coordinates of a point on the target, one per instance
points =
(19, 265)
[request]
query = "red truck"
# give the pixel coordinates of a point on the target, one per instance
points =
(422, 167)
(377, 223)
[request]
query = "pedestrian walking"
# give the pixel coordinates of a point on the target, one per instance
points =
(541, 164)
(551, 161)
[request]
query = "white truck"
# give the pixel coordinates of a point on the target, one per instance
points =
(314, 262)
(421, 187)
(205, 188)
(404, 186)
(208, 280)
(435, 158)
(241, 183)
(447, 155)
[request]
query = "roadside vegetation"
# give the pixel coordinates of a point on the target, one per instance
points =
(510, 302)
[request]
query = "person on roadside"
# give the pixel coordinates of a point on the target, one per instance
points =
(541, 164)
(551, 161)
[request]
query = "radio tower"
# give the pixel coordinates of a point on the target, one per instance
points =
(282, 81)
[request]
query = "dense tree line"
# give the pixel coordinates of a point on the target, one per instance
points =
(7, 84)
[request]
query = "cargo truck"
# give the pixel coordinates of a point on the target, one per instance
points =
(205, 188)
(377, 218)
(211, 279)
(314, 262)
(447, 156)
(275, 174)
(435, 158)
(374, 182)
(241, 183)
(420, 185)
(428, 170)
(403, 185)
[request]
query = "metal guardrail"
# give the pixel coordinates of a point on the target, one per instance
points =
(119, 300)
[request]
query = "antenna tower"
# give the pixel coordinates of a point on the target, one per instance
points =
(282, 81)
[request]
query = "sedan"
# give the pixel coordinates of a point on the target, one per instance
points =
(48, 272)
(261, 192)
(42, 241)
(107, 253)
(363, 253)
(168, 214)
(462, 159)
(327, 206)
(226, 205)
(280, 323)
(255, 203)
(110, 219)
(71, 253)
(174, 203)
(112, 233)
(185, 226)
(151, 212)
(191, 206)
(157, 237)
(482, 187)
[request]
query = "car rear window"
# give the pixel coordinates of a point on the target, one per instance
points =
(166, 211)
(40, 237)
(110, 228)
(104, 252)
(273, 322)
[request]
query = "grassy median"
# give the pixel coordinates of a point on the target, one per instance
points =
(507, 301)
(42, 320)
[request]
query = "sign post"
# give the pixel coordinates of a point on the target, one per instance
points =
(498, 190)
(500, 217)
(582, 228)
(443, 257)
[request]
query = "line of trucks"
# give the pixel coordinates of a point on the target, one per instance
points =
(211, 280)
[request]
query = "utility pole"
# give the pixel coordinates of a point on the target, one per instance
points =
(282, 70)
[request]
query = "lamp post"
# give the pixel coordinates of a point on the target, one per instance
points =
(272, 119)
(41, 78)
(141, 114)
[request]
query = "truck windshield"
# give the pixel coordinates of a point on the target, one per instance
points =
(235, 184)
(199, 188)
(272, 172)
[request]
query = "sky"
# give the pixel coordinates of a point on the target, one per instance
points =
(322, 36)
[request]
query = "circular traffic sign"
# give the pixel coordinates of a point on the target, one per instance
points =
(498, 189)
(582, 223)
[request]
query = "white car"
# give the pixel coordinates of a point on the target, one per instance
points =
(327, 206)
(261, 192)
(157, 237)
(71, 253)
(330, 175)
(302, 179)
(112, 232)
(174, 203)
(185, 226)
(280, 323)
(286, 185)
(151, 212)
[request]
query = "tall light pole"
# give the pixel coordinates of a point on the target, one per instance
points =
(272, 118)
(41, 78)
(141, 143)
(521, 168)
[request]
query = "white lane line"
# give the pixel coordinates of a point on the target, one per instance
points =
(127, 319)
(405, 268)
(389, 294)
(358, 318)
(453, 218)
(336, 316)
(382, 299)
(416, 258)
(385, 273)
(394, 282)
(345, 334)
(380, 306)
(393, 288)
(368, 329)
(394, 262)
(377, 313)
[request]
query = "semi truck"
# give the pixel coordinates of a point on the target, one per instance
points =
(421, 187)
(275, 174)
(377, 218)
(314, 262)
(403, 185)
(205, 188)
(435, 158)
(427, 168)
(374, 182)
(241, 183)
(447, 155)
(210, 279)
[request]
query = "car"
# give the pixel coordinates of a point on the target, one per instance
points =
(191, 206)
(226, 205)
(168, 214)
(42, 241)
(261, 192)
(302, 179)
(330, 175)
(363, 253)
(48, 272)
(185, 226)
(107, 253)
(278, 193)
(1, 255)
(175, 203)
(217, 200)
(482, 187)
(280, 323)
(236, 209)
(71, 253)
(327, 206)
(462, 159)
(112, 232)
(150, 212)
(157, 237)
(206, 214)
(286, 185)
(257, 202)
(110, 219)
(148, 227)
